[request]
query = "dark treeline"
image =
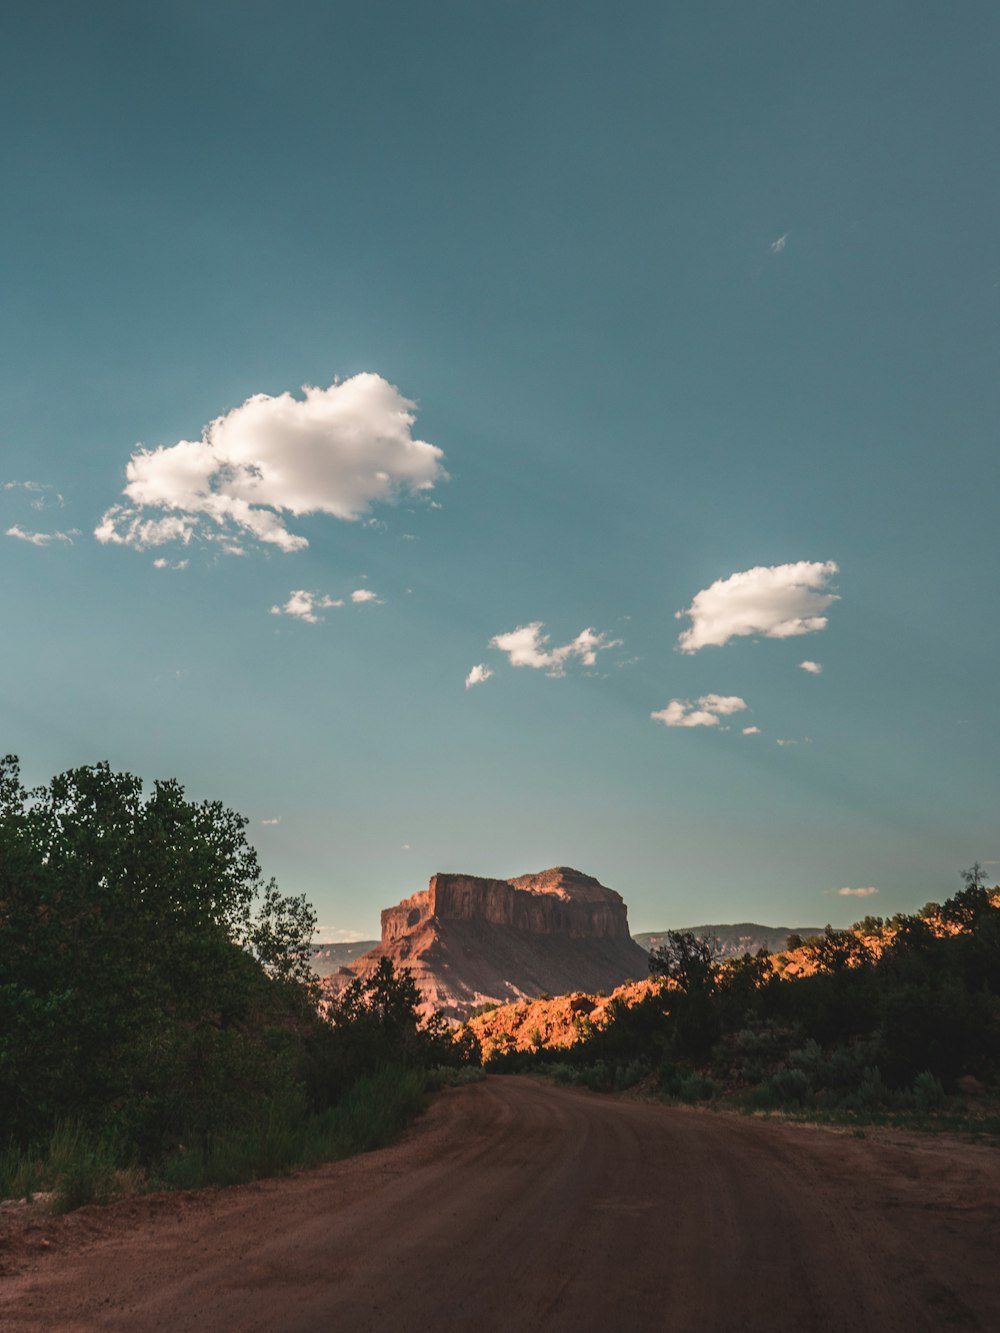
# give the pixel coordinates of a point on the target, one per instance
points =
(898, 1017)
(157, 1011)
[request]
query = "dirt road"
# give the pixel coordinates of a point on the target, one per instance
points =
(514, 1205)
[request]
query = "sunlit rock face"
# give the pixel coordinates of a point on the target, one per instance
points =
(471, 941)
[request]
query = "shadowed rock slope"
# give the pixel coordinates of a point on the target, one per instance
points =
(470, 941)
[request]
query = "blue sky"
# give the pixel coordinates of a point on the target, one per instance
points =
(601, 306)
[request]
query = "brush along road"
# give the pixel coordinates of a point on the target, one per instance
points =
(515, 1205)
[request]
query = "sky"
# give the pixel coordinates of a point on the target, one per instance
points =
(483, 435)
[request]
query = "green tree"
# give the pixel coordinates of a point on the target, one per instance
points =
(136, 965)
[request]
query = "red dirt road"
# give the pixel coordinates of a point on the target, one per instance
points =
(513, 1205)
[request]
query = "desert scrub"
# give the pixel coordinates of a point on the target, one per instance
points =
(371, 1114)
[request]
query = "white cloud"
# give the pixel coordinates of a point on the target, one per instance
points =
(704, 713)
(275, 820)
(751, 731)
(776, 601)
(334, 935)
(779, 245)
(362, 595)
(528, 646)
(42, 538)
(477, 675)
(337, 451)
(304, 605)
(163, 563)
(814, 668)
(857, 893)
(784, 741)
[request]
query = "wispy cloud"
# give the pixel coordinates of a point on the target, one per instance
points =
(304, 605)
(336, 450)
(774, 601)
(814, 668)
(704, 712)
(43, 494)
(779, 245)
(528, 646)
(163, 563)
(275, 820)
(42, 538)
(857, 893)
(477, 675)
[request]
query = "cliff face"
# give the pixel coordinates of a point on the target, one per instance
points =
(555, 902)
(471, 941)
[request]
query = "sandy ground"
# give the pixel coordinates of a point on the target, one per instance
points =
(514, 1205)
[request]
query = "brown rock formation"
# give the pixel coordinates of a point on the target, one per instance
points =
(471, 941)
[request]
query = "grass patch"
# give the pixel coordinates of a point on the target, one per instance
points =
(372, 1114)
(81, 1168)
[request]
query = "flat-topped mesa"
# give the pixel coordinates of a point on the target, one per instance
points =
(560, 901)
(469, 941)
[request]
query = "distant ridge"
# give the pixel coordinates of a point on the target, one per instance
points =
(743, 937)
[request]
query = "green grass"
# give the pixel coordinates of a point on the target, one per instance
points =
(81, 1168)
(373, 1113)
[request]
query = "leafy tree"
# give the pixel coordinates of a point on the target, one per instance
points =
(689, 962)
(134, 960)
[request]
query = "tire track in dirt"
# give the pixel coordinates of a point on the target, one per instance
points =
(515, 1205)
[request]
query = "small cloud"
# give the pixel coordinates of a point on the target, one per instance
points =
(405, 847)
(334, 935)
(779, 245)
(275, 820)
(163, 563)
(42, 538)
(857, 893)
(751, 731)
(337, 450)
(704, 713)
(361, 595)
(814, 668)
(774, 601)
(528, 646)
(477, 675)
(784, 742)
(303, 605)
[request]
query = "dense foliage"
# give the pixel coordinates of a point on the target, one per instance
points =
(155, 991)
(896, 1015)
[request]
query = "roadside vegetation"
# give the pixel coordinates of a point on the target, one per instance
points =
(894, 1022)
(160, 1025)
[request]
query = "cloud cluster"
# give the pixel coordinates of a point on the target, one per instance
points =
(775, 601)
(705, 712)
(337, 451)
(42, 538)
(857, 893)
(304, 605)
(528, 646)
